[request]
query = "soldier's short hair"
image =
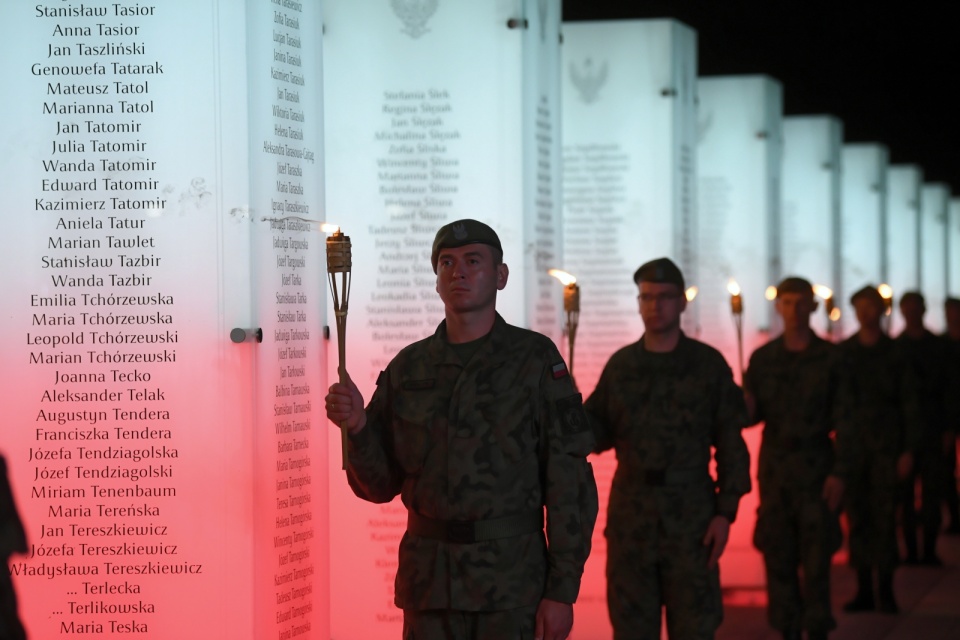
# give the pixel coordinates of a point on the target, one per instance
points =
(915, 296)
(464, 232)
(660, 270)
(868, 292)
(794, 284)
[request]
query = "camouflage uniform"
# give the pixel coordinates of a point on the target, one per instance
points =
(798, 397)
(884, 414)
(498, 437)
(929, 357)
(662, 412)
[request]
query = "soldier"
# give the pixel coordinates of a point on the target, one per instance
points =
(792, 386)
(927, 353)
(13, 539)
(951, 310)
(885, 409)
(662, 403)
(477, 428)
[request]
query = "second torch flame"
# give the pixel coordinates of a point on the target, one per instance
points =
(571, 306)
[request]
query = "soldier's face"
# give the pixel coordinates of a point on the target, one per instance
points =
(661, 305)
(468, 279)
(795, 309)
(868, 312)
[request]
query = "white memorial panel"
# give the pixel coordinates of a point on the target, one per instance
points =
(144, 444)
(903, 235)
(434, 112)
(934, 202)
(863, 211)
(629, 156)
(739, 159)
(953, 248)
(810, 239)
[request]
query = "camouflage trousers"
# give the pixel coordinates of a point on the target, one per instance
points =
(446, 624)
(871, 505)
(796, 532)
(929, 468)
(647, 570)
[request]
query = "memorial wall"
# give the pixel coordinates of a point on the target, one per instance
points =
(629, 195)
(953, 248)
(154, 157)
(863, 245)
(739, 156)
(903, 234)
(934, 202)
(434, 112)
(810, 227)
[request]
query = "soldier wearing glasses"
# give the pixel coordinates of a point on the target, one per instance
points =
(663, 403)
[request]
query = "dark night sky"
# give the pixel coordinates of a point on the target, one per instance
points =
(890, 74)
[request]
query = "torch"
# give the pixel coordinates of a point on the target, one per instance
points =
(571, 306)
(339, 262)
(829, 305)
(886, 292)
(736, 308)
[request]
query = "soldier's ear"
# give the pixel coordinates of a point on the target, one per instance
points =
(503, 272)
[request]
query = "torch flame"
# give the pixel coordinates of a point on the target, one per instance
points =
(770, 293)
(691, 292)
(886, 291)
(326, 227)
(733, 288)
(835, 314)
(564, 277)
(822, 291)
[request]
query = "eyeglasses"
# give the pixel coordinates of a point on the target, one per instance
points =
(649, 298)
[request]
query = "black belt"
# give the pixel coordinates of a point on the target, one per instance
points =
(470, 531)
(664, 477)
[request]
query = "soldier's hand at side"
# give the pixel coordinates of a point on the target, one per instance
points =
(904, 465)
(554, 620)
(345, 406)
(833, 492)
(718, 532)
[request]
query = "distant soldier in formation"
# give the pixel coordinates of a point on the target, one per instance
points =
(952, 312)
(793, 385)
(884, 405)
(662, 403)
(927, 354)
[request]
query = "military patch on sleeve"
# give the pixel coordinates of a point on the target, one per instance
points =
(559, 370)
(573, 419)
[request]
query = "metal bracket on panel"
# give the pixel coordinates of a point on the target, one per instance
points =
(518, 23)
(326, 332)
(669, 92)
(239, 335)
(762, 135)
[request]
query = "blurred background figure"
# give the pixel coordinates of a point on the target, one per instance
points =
(952, 312)
(927, 356)
(13, 539)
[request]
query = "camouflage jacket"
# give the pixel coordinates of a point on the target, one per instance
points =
(662, 412)
(801, 399)
(884, 396)
(500, 436)
(930, 357)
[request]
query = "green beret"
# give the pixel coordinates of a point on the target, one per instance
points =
(793, 284)
(659, 270)
(460, 233)
(869, 292)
